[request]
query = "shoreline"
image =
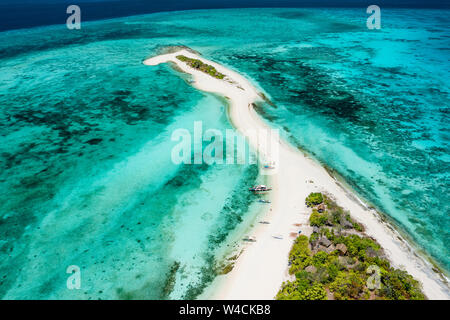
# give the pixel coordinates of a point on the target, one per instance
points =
(388, 222)
(262, 267)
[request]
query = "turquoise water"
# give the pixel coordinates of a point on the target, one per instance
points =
(86, 177)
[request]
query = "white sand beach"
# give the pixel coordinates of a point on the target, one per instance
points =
(262, 267)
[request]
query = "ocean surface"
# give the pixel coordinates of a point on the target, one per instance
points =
(86, 176)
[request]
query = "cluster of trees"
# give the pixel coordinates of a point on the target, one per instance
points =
(197, 64)
(347, 266)
(326, 212)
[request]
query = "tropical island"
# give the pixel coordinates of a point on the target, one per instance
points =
(199, 65)
(338, 261)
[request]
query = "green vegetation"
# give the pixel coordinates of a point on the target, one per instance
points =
(302, 289)
(314, 199)
(335, 262)
(227, 268)
(197, 64)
